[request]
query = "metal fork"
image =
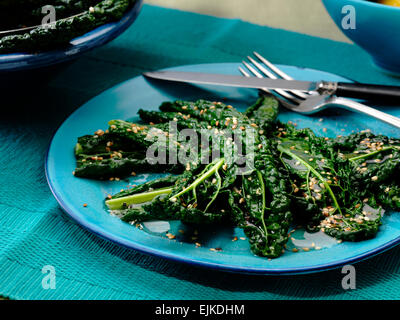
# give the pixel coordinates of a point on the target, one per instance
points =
(305, 102)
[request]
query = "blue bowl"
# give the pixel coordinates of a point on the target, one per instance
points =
(377, 30)
(27, 68)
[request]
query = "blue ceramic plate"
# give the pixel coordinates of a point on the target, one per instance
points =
(78, 46)
(123, 102)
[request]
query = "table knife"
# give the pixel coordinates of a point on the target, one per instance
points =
(340, 89)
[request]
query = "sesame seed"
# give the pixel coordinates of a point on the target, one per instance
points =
(99, 132)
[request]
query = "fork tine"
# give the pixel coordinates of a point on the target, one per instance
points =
(283, 93)
(248, 76)
(269, 74)
(282, 101)
(272, 67)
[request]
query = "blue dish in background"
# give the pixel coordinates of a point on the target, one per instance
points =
(377, 30)
(122, 102)
(18, 69)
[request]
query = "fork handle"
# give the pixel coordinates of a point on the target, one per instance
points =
(362, 108)
(368, 91)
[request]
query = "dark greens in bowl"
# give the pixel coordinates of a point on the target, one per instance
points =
(73, 19)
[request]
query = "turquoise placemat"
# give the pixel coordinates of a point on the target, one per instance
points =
(34, 232)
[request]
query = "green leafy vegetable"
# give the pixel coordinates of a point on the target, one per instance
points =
(80, 17)
(340, 186)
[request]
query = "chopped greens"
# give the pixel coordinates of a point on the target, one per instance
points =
(74, 18)
(339, 186)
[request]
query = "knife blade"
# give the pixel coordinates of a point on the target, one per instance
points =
(374, 92)
(233, 80)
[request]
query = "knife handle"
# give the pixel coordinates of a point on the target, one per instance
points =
(368, 91)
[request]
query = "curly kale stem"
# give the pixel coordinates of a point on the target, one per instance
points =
(115, 204)
(371, 153)
(217, 192)
(207, 174)
(195, 194)
(316, 173)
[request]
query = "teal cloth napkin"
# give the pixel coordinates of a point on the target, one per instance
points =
(34, 232)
